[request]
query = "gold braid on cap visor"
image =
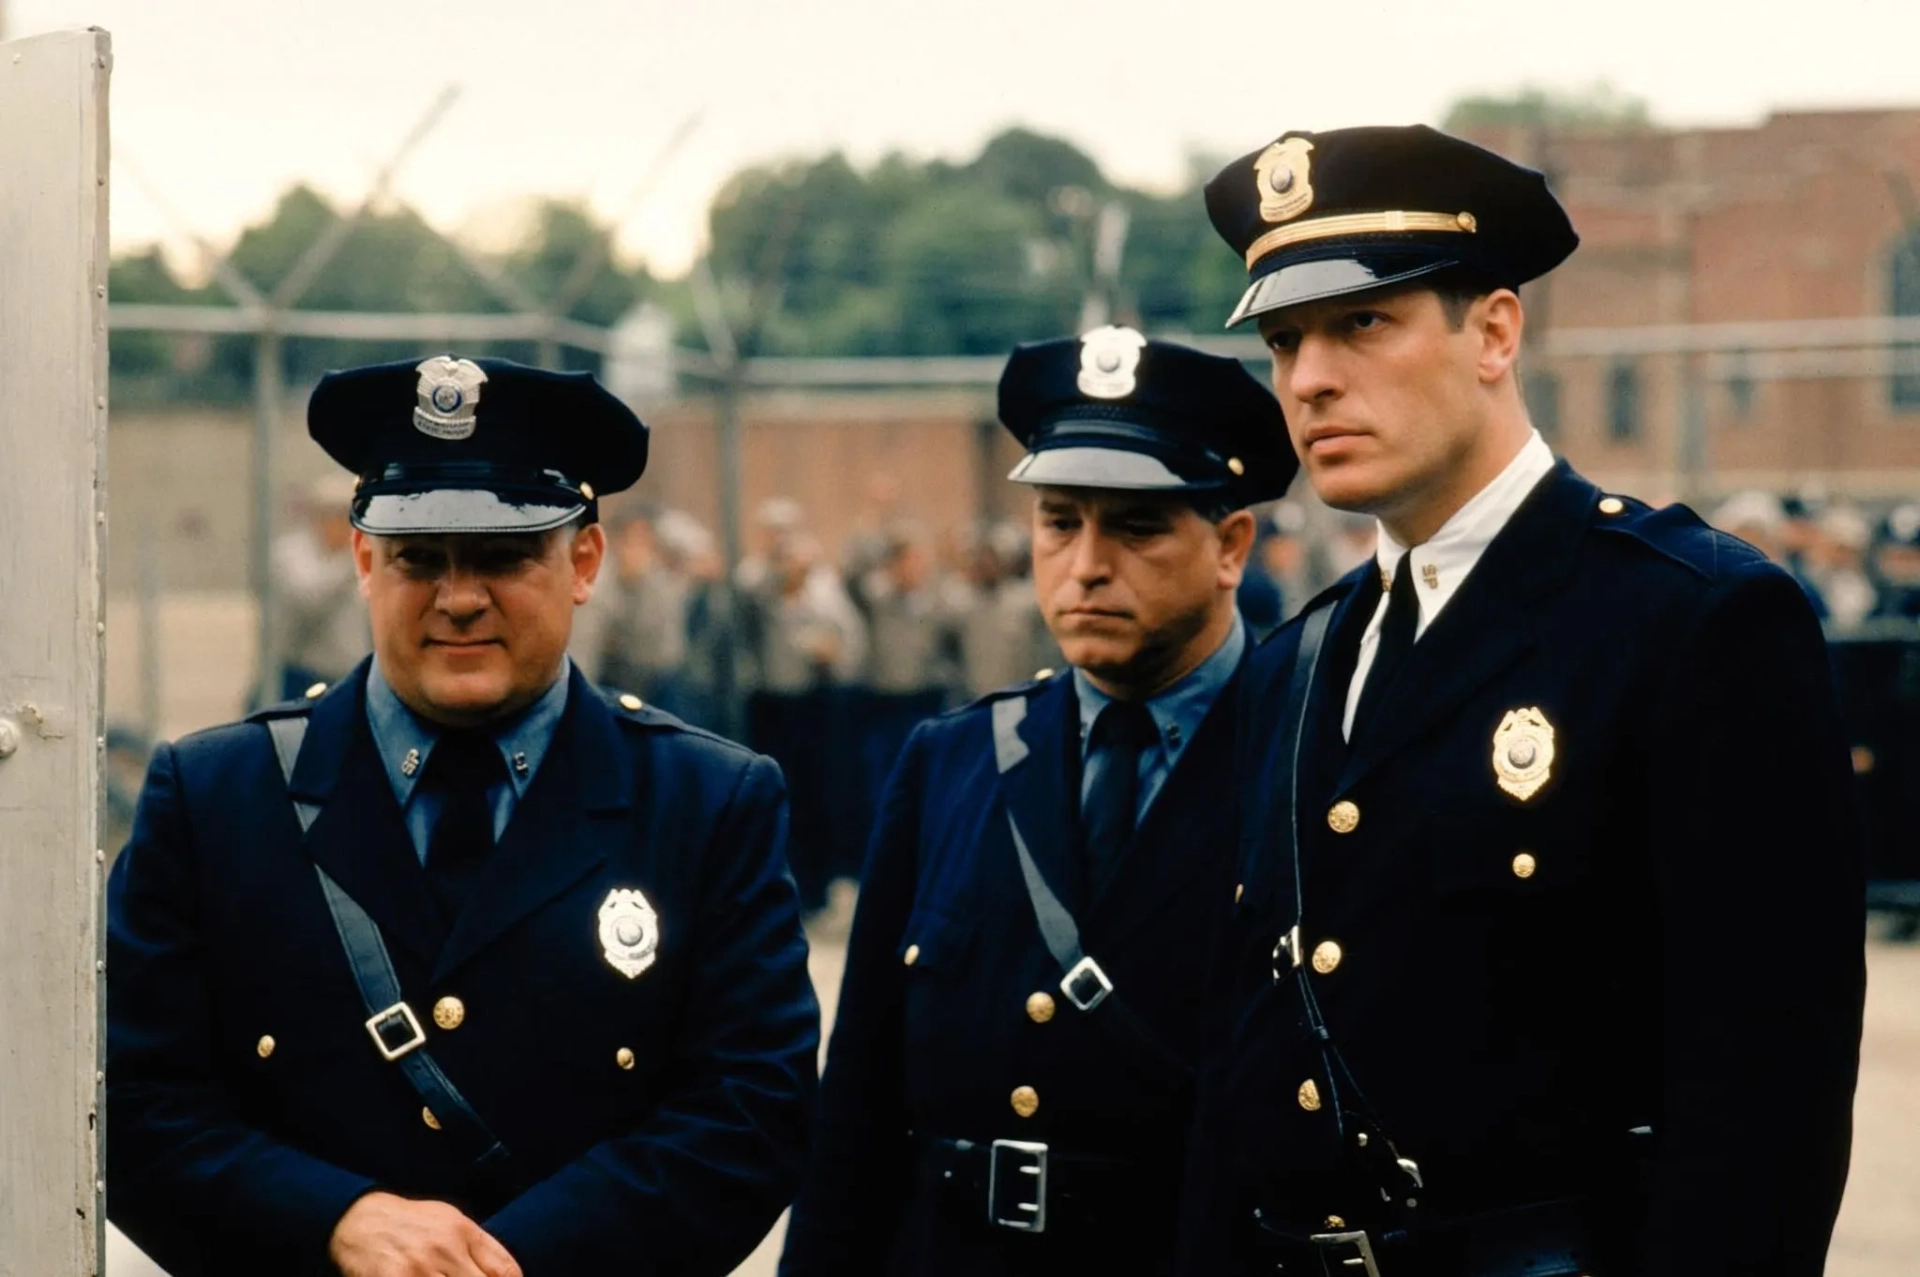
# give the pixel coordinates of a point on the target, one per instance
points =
(1389, 223)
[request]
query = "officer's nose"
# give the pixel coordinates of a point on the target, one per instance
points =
(461, 594)
(1311, 370)
(1092, 556)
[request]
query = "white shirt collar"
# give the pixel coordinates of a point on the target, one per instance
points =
(1444, 560)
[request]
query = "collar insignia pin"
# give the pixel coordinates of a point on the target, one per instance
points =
(520, 763)
(1431, 575)
(411, 763)
(449, 392)
(1523, 752)
(1109, 359)
(629, 931)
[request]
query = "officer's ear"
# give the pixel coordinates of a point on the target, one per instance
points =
(363, 551)
(587, 551)
(1498, 321)
(1236, 533)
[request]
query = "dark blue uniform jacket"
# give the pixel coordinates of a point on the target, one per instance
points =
(227, 1157)
(933, 1033)
(1665, 938)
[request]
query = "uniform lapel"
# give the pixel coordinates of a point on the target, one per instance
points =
(1040, 783)
(572, 819)
(1485, 628)
(359, 837)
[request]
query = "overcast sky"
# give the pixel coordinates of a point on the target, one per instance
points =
(222, 103)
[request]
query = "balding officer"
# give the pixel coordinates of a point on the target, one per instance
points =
(1551, 940)
(1033, 971)
(462, 966)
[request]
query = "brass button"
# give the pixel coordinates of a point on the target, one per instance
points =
(1239, 890)
(449, 1012)
(1040, 1007)
(1236, 465)
(912, 955)
(1334, 1221)
(264, 1047)
(1309, 1096)
(623, 1057)
(315, 692)
(1612, 505)
(628, 701)
(433, 1123)
(1045, 673)
(1344, 817)
(1467, 222)
(1326, 957)
(1524, 865)
(586, 490)
(1025, 1101)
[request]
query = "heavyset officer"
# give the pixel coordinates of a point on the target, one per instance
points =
(463, 966)
(1551, 936)
(1033, 969)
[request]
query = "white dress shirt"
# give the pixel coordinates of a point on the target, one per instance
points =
(1445, 559)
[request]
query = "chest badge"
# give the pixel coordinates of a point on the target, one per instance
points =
(1523, 752)
(629, 931)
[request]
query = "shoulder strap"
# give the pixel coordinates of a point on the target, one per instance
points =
(396, 1031)
(1084, 984)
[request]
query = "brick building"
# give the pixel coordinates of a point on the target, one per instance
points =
(1809, 216)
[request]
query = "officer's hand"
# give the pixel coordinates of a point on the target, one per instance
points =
(382, 1235)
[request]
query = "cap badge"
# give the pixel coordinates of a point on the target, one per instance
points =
(449, 393)
(629, 931)
(1283, 175)
(1523, 752)
(1109, 358)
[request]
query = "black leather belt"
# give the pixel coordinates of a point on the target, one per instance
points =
(1541, 1239)
(1028, 1187)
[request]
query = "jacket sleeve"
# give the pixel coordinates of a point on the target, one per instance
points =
(187, 1179)
(695, 1188)
(861, 1176)
(1758, 882)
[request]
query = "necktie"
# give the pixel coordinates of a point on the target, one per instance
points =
(461, 767)
(1123, 729)
(1396, 640)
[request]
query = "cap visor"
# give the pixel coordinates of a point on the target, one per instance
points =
(1333, 277)
(445, 510)
(1102, 468)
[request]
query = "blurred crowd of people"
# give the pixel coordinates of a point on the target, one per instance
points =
(836, 659)
(1857, 564)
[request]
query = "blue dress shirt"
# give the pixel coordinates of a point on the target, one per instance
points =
(1177, 713)
(405, 741)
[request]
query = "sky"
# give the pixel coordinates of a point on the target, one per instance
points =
(218, 105)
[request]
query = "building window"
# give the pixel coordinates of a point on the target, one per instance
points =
(1623, 403)
(1903, 295)
(1542, 390)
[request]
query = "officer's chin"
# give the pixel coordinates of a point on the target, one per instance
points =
(1103, 655)
(1356, 487)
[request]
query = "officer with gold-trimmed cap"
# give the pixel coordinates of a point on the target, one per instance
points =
(1500, 796)
(462, 965)
(1032, 975)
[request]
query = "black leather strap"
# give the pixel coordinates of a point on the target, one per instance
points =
(1061, 934)
(380, 991)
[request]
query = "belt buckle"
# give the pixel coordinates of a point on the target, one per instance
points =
(1086, 986)
(1361, 1259)
(397, 1016)
(1030, 1165)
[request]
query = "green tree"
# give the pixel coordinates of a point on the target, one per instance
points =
(1598, 108)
